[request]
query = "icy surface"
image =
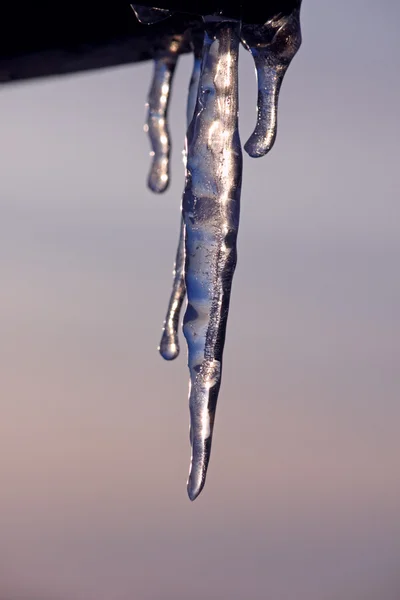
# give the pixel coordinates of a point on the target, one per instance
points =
(169, 345)
(272, 45)
(157, 115)
(210, 208)
(206, 255)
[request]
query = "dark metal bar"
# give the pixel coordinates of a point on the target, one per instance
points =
(41, 39)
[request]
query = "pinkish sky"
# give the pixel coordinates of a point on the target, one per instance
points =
(303, 495)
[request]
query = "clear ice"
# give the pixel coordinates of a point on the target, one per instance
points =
(169, 344)
(210, 208)
(272, 45)
(206, 255)
(157, 115)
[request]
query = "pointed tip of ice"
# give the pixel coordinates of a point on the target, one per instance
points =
(198, 468)
(194, 487)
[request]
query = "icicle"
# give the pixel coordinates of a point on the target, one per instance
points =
(206, 255)
(169, 345)
(273, 45)
(211, 214)
(157, 117)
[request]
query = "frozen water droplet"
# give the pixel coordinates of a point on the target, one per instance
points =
(197, 36)
(211, 217)
(273, 45)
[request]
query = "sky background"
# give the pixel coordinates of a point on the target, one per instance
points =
(302, 500)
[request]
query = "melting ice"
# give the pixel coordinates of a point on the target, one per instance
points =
(206, 255)
(169, 345)
(272, 45)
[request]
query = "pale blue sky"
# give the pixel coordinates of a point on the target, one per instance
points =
(302, 500)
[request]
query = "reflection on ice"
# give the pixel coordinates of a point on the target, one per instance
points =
(206, 255)
(157, 116)
(273, 45)
(210, 209)
(169, 345)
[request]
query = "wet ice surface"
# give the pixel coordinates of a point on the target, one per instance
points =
(169, 345)
(272, 45)
(206, 255)
(157, 116)
(211, 213)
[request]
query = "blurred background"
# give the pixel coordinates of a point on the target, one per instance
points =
(302, 500)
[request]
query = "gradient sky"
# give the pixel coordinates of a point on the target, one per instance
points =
(302, 500)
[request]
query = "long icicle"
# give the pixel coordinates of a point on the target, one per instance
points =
(169, 344)
(272, 45)
(211, 204)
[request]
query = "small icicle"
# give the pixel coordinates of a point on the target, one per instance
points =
(273, 45)
(211, 214)
(169, 345)
(157, 116)
(148, 16)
